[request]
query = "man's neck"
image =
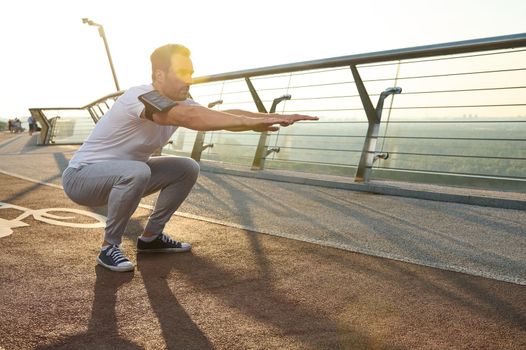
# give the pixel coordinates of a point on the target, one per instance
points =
(157, 87)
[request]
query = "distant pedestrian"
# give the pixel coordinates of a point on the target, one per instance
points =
(17, 126)
(10, 125)
(32, 125)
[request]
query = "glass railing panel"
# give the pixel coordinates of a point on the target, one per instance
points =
(181, 142)
(461, 117)
(458, 116)
(71, 126)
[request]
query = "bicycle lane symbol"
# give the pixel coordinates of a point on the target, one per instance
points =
(7, 226)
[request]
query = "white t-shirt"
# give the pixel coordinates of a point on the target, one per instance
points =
(121, 134)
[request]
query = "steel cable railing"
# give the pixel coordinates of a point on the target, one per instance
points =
(341, 130)
(460, 118)
(71, 125)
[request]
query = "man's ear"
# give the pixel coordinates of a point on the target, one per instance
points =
(159, 75)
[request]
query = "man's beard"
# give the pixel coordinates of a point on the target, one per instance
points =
(182, 94)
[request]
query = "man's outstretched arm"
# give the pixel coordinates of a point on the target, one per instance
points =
(204, 119)
(286, 119)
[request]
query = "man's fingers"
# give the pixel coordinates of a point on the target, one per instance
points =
(269, 124)
(298, 117)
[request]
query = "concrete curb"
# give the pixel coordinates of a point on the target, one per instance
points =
(470, 199)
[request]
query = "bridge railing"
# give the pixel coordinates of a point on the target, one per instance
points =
(71, 125)
(452, 113)
(460, 117)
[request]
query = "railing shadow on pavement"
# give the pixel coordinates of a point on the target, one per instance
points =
(61, 162)
(264, 302)
(365, 224)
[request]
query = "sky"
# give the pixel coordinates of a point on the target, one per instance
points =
(49, 58)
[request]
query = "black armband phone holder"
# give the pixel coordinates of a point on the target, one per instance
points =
(154, 102)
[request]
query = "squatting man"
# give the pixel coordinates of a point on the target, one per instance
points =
(114, 166)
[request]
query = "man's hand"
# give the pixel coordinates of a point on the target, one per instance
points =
(270, 123)
(200, 118)
(284, 119)
(289, 119)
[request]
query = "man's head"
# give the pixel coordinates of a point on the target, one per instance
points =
(172, 71)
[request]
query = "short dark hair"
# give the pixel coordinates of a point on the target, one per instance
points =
(162, 56)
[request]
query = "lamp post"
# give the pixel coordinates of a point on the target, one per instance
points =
(103, 36)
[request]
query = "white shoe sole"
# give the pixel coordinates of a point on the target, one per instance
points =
(116, 268)
(166, 250)
(186, 248)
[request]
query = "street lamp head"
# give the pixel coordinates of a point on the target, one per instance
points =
(103, 36)
(89, 22)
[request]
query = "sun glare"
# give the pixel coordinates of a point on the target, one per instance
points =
(50, 58)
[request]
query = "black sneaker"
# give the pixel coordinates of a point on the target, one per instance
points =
(113, 259)
(162, 243)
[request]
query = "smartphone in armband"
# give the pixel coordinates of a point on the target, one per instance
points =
(155, 102)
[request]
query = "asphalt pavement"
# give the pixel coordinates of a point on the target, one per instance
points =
(477, 240)
(274, 265)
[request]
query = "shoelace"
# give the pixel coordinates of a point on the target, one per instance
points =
(116, 255)
(170, 241)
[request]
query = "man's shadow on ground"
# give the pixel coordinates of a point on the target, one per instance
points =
(102, 330)
(178, 329)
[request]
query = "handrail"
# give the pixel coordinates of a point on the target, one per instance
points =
(456, 47)
(369, 153)
(48, 128)
(104, 98)
(99, 100)
(342, 163)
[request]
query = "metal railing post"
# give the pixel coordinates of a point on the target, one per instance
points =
(199, 145)
(259, 104)
(262, 150)
(39, 116)
(52, 130)
(374, 118)
(262, 143)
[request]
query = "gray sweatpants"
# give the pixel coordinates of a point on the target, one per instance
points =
(121, 184)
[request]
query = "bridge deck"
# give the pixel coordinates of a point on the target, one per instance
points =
(241, 289)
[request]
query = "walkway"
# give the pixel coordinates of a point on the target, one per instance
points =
(482, 241)
(242, 290)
